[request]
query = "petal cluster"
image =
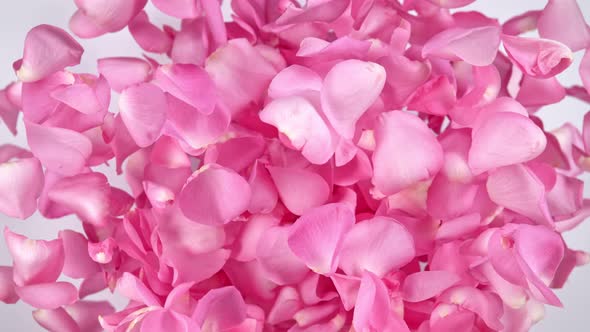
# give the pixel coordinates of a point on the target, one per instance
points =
(325, 165)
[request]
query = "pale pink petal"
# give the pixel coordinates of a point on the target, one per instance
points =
(191, 43)
(541, 58)
(80, 97)
(519, 189)
(148, 36)
(48, 295)
(404, 76)
(317, 236)
(562, 20)
(277, 260)
(123, 72)
(102, 252)
(372, 309)
(37, 104)
(162, 320)
(189, 83)
(87, 195)
(448, 199)
(314, 11)
(293, 81)
(48, 49)
(55, 320)
(459, 227)
(177, 8)
(300, 124)
(424, 285)
(522, 23)
(436, 96)
(541, 249)
(343, 102)
(77, 263)
(215, 195)
(220, 309)
(21, 183)
(8, 112)
(189, 267)
(451, 3)
(94, 19)
(7, 286)
(519, 140)
(60, 150)
(536, 92)
(143, 110)
(398, 165)
(459, 44)
(264, 193)
(246, 244)
(585, 70)
(87, 313)
(391, 247)
(299, 189)
(34, 261)
(286, 305)
(486, 305)
(134, 289)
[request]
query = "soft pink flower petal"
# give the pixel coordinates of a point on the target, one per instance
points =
(48, 49)
(293, 81)
(585, 70)
(134, 289)
(436, 96)
(220, 309)
(60, 150)
(298, 121)
(458, 227)
(519, 189)
(391, 247)
(35, 261)
(536, 92)
(215, 195)
(317, 236)
(189, 83)
(276, 258)
(21, 182)
(143, 110)
(7, 286)
(459, 44)
(522, 23)
(451, 3)
(299, 189)
(343, 102)
(8, 112)
(398, 165)
(87, 195)
(48, 295)
(264, 193)
(123, 72)
(94, 19)
(77, 263)
(161, 320)
(55, 320)
(541, 249)
(178, 8)
(87, 313)
(562, 20)
(314, 11)
(541, 58)
(519, 140)
(424, 285)
(148, 36)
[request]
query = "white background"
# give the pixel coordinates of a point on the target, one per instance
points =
(17, 17)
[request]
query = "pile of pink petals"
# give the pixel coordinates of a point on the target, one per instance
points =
(338, 165)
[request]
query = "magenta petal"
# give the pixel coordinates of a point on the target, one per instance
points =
(317, 236)
(220, 309)
(391, 247)
(343, 101)
(143, 110)
(423, 285)
(398, 165)
(21, 182)
(459, 44)
(49, 295)
(48, 49)
(299, 189)
(215, 195)
(60, 150)
(35, 261)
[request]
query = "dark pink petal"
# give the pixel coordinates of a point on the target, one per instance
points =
(398, 165)
(7, 286)
(573, 31)
(77, 263)
(60, 150)
(519, 189)
(541, 58)
(299, 189)
(424, 285)
(123, 72)
(49, 295)
(317, 236)
(301, 125)
(459, 44)
(215, 195)
(343, 101)
(21, 183)
(87, 195)
(35, 261)
(520, 140)
(220, 309)
(189, 83)
(277, 260)
(148, 36)
(391, 247)
(143, 110)
(55, 320)
(48, 49)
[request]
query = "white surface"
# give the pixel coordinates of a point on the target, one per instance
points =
(17, 17)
